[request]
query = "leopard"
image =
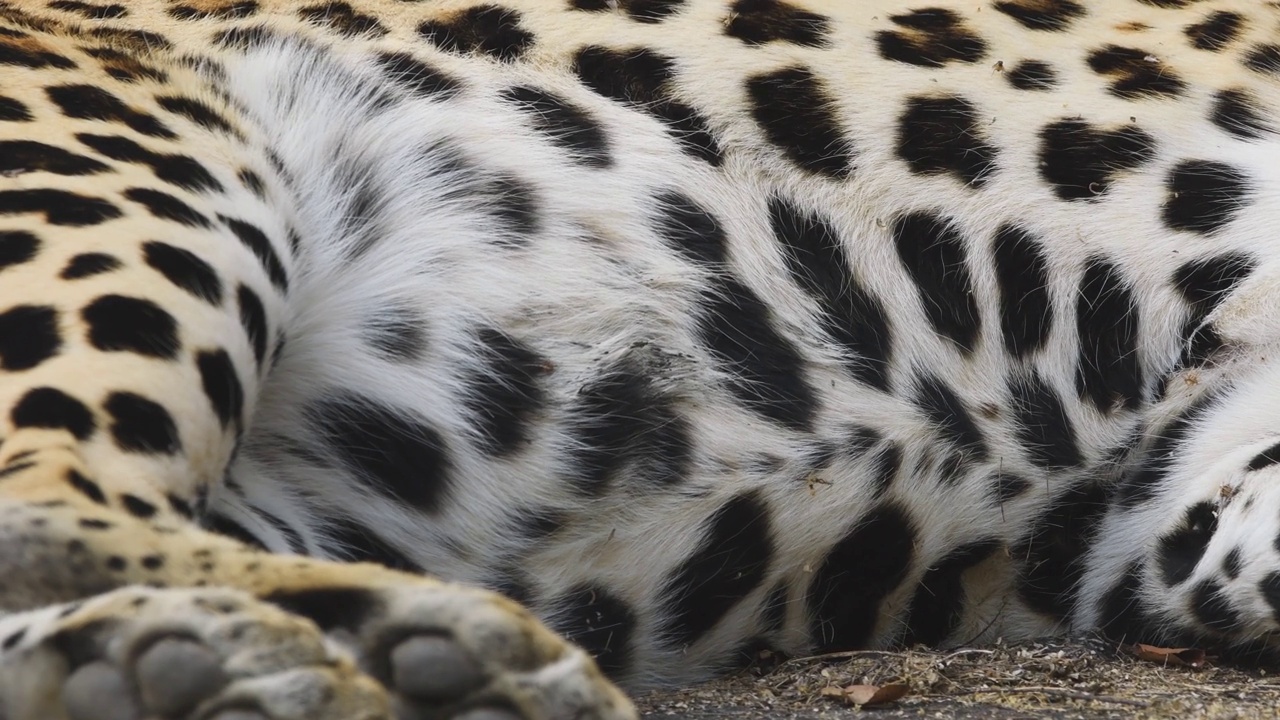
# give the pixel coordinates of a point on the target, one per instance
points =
(496, 359)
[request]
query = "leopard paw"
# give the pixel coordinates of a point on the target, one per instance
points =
(416, 651)
(215, 654)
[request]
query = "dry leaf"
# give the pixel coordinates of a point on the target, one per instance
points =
(1175, 657)
(867, 695)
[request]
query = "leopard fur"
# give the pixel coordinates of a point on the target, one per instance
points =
(694, 327)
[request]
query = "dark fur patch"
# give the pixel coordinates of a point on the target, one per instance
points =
(415, 76)
(1134, 75)
(30, 53)
(797, 114)
(1265, 459)
(641, 78)
(1007, 488)
(621, 421)
(1238, 112)
(222, 386)
(232, 10)
(766, 368)
(1051, 555)
(140, 425)
(26, 156)
(1142, 483)
(396, 332)
(166, 207)
(884, 468)
(258, 242)
(1211, 606)
(28, 336)
(1050, 15)
(505, 393)
(939, 136)
(17, 247)
(817, 261)
(1179, 551)
(939, 600)
(331, 608)
(1216, 31)
(729, 564)
(89, 264)
(568, 126)
(1081, 160)
(1022, 278)
(513, 203)
(12, 110)
(46, 407)
(59, 207)
(359, 543)
(184, 269)
(1203, 283)
(1032, 75)
(847, 589)
(253, 318)
(489, 29)
(1264, 58)
(1203, 196)
(387, 448)
(690, 229)
(90, 102)
(756, 22)
(253, 182)
(1121, 612)
(1110, 372)
(343, 19)
(948, 414)
(123, 324)
(138, 507)
(599, 622)
(199, 113)
(225, 526)
(86, 487)
(933, 252)
(930, 37)
(644, 11)
(1043, 427)
(1269, 588)
(90, 11)
(178, 170)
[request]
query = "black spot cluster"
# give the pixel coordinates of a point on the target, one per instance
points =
(933, 252)
(486, 29)
(1109, 372)
(1080, 161)
(852, 316)
(930, 37)
(622, 422)
(644, 11)
(757, 22)
(943, 135)
(730, 563)
(1135, 73)
(643, 79)
(343, 19)
(1048, 15)
(797, 114)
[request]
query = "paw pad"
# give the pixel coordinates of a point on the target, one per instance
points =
(433, 667)
(174, 675)
(84, 692)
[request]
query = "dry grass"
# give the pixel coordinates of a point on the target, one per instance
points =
(1079, 679)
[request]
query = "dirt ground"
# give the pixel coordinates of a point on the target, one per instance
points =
(1086, 678)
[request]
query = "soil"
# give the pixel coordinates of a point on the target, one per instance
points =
(1083, 678)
